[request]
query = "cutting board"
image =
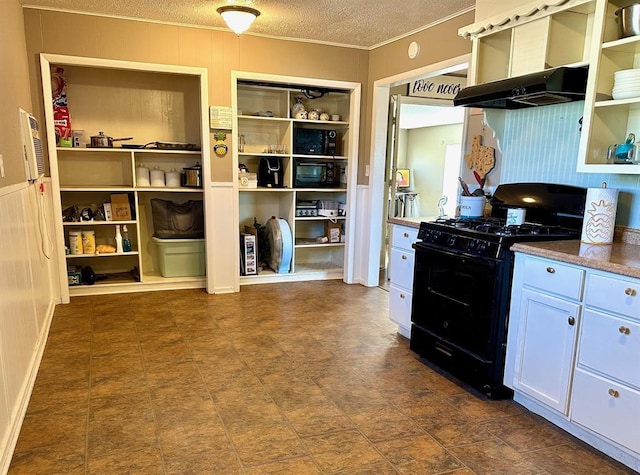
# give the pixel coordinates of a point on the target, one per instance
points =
(482, 159)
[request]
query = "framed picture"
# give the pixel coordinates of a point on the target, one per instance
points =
(403, 178)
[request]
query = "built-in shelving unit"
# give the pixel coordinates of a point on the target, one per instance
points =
(608, 121)
(116, 97)
(262, 116)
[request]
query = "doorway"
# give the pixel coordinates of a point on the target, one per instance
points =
(423, 160)
(376, 214)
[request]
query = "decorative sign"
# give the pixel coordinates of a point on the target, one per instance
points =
(220, 148)
(441, 87)
(220, 117)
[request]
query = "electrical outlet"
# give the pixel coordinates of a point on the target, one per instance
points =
(1, 167)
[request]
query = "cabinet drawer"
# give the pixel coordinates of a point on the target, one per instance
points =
(607, 408)
(554, 277)
(402, 237)
(614, 294)
(611, 346)
(401, 268)
(400, 306)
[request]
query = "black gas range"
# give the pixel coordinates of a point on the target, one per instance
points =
(462, 279)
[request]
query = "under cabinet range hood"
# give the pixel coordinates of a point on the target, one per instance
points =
(552, 86)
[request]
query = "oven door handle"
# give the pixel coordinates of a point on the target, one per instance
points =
(490, 262)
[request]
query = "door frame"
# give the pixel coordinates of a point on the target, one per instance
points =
(377, 156)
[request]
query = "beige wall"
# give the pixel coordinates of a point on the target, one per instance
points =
(221, 52)
(218, 51)
(15, 89)
(438, 43)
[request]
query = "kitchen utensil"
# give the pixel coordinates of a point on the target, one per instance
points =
(465, 187)
(482, 158)
(104, 141)
(622, 150)
(175, 146)
(628, 19)
(479, 179)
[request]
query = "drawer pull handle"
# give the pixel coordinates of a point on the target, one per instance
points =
(402, 296)
(571, 321)
(406, 235)
(551, 270)
(629, 291)
(613, 393)
(624, 330)
(404, 258)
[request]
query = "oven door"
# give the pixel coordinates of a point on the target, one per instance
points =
(456, 298)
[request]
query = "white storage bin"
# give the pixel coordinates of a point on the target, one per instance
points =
(181, 257)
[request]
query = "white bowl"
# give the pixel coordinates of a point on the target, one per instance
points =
(625, 94)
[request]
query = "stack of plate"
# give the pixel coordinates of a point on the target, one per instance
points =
(626, 84)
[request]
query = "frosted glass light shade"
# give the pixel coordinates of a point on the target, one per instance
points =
(237, 17)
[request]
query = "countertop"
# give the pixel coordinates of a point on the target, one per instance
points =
(411, 222)
(619, 258)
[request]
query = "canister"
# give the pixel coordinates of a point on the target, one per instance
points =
(157, 177)
(172, 178)
(88, 242)
(142, 175)
(75, 242)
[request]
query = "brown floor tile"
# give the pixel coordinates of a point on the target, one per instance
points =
(301, 465)
(495, 457)
(49, 460)
(575, 459)
(418, 454)
(526, 432)
(186, 382)
(119, 422)
(267, 443)
(146, 461)
(346, 451)
(386, 424)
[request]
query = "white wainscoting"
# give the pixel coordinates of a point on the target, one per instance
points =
(26, 303)
(222, 240)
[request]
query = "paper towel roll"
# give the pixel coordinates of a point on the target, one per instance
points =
(599, 215)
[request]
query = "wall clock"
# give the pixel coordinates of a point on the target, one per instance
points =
(414, 50)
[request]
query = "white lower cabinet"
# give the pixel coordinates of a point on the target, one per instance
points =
(572, 355)
(401, 274)
(545, 354)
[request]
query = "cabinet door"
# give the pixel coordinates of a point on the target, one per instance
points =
(546, 342)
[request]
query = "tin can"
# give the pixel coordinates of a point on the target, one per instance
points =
(88, 242)
(75, 242)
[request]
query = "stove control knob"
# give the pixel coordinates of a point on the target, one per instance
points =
(452, 240)
(473, 244)
(482, 246)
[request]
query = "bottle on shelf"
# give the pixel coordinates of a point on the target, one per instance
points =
(126, 243)
(118, 239)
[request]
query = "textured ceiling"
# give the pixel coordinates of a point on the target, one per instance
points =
(360, 23)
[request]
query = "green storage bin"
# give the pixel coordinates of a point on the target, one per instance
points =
(181, 257)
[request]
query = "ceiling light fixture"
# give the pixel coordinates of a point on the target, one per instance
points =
(237, 17)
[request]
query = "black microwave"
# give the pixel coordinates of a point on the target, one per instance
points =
(315, 141)
(315, 173)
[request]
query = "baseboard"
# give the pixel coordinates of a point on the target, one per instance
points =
(9, 445)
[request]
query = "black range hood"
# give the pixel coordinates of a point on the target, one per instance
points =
(552, 86)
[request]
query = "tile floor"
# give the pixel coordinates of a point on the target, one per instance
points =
(301, 378)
